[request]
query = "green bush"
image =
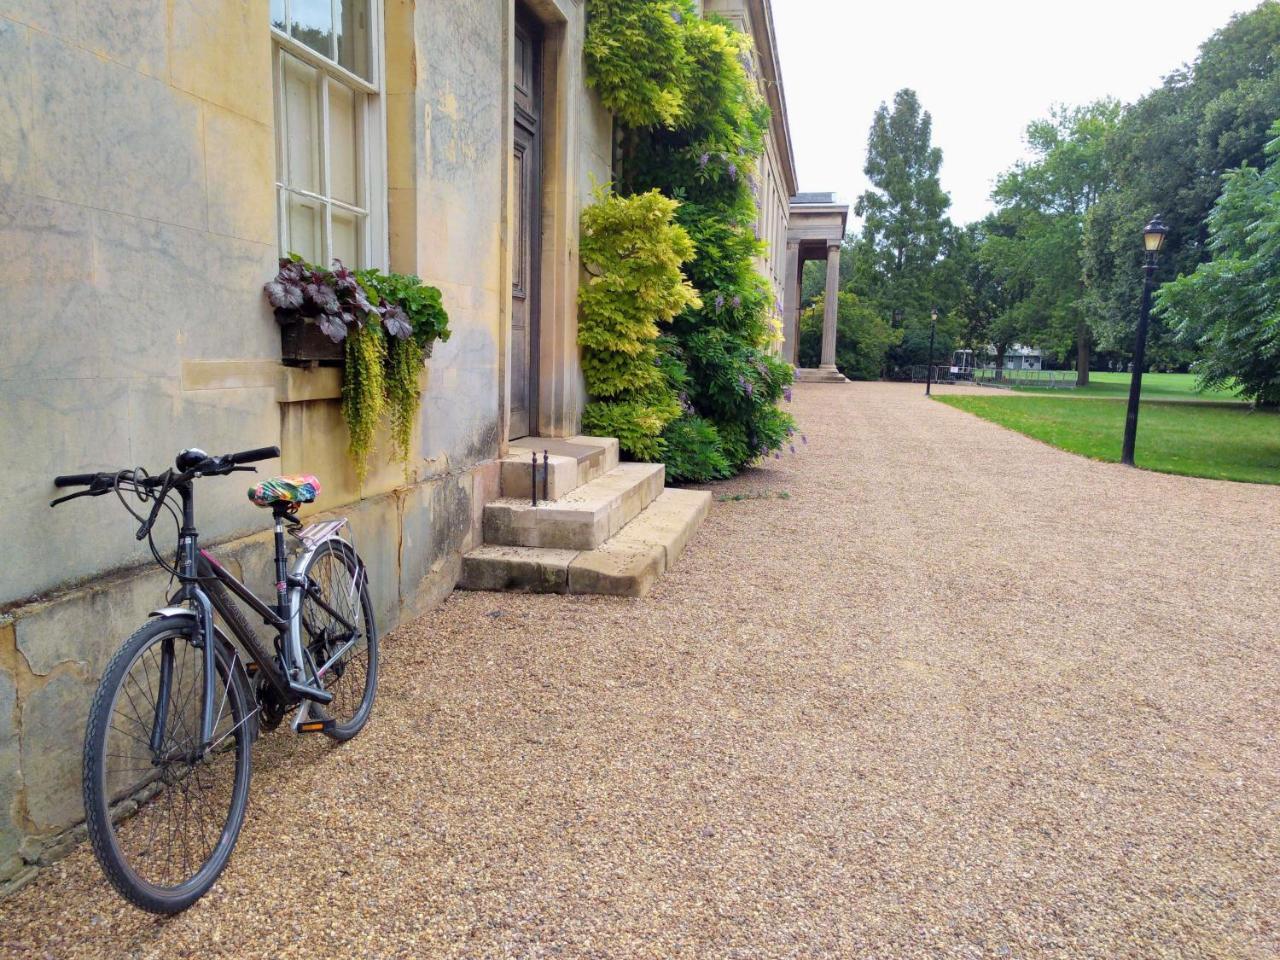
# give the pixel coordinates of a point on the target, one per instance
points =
(863, 337)
(636, 59)
(706, 154)
(694, 452)
(632, 251)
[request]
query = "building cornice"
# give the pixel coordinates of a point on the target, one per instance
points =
(767, 47)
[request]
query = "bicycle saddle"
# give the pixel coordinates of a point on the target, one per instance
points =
(300, 489)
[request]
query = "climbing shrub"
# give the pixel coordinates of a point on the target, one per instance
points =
(707, 157)
(632, 251)
(636, 60)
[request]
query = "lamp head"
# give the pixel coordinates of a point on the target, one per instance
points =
(1153, 236)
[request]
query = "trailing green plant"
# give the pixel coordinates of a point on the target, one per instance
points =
(705, 154)
(363, 393)
(389, 323)
(632, 251)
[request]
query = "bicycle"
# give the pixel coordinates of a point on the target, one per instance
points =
(171, 727)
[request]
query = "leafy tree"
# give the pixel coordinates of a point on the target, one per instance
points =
(1168, 155)
(1035, 240)
(863, 337)
(1230, 306)
(904, 214)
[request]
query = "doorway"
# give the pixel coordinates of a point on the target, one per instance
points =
(527, 232)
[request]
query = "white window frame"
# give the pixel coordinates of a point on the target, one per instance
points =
(372, 131)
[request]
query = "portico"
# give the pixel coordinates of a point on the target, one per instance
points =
(815, 232)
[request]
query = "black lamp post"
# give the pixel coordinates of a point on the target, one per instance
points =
(928, 367)
(1153, 237)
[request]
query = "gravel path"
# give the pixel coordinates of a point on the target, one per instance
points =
(959, 695)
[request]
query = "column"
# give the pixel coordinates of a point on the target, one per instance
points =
(832, 304)
(791, 303)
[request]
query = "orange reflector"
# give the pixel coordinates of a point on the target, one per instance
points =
(311, 726)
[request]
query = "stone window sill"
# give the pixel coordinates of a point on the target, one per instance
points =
(291, 384)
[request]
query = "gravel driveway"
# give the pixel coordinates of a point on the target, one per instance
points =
(958, 695)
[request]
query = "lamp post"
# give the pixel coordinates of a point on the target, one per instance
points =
(928, 367)
(1153, 237)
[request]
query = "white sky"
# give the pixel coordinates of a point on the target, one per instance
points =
(982, 68)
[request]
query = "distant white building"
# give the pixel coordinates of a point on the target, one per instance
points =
(1016, 357)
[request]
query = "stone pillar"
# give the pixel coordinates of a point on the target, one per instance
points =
(827, 371)
(791, 303)
(832, 306)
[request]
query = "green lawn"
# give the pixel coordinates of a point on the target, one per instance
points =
(1195, 439)
(1171, 386)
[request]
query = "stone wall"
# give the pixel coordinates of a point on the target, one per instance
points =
(137, 165)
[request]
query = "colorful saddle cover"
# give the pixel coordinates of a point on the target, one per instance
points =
(297, 490)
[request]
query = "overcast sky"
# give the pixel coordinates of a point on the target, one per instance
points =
(983, 68)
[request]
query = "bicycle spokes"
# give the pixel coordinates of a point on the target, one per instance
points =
(169, 788)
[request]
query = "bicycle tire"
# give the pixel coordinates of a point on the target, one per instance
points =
(318, 565)
(103, 816)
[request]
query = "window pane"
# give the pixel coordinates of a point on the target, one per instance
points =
(353, 36)
(344, 160)
(277, 14)
(301, 125)
(306, 226)
(313, 24)
(348, 229)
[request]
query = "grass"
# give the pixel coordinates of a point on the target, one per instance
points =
(1171, 386)
(1223, 442)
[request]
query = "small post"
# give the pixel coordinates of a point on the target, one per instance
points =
(928, 370)
(546, 476)
(533, 478)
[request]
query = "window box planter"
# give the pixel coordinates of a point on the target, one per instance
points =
(303, 345)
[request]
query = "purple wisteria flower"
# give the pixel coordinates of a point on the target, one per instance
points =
(786, 392)
(704, 160)
(777, 455)
(733, 171)
(793, 449)
(719, 302)
(737, 301)
(804, 439)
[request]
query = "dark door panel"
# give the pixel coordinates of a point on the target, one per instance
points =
(526, 226)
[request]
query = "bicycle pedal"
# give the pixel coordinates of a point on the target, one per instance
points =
(315, 726)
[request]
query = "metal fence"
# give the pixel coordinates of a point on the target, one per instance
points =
(1047, 379)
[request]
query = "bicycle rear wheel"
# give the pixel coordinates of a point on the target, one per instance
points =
(343, 648)
(163, 808)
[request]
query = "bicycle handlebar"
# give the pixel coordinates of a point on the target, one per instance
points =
(251, 456)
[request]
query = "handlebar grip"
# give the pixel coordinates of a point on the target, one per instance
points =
(75, 479)
(249, 456)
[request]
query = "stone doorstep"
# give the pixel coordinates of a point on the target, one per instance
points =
(580, 520)
(573, 462)
(627, 565)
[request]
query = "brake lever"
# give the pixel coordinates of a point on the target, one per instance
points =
(72, 496)
(95, 489)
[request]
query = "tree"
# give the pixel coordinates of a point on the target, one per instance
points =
(1035, 243)
(904, 214)
(1168, 155)
(1230, 306)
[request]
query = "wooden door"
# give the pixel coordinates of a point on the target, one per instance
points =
(527, 183)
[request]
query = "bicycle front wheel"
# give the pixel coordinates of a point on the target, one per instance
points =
(339, 635)
(164, 807)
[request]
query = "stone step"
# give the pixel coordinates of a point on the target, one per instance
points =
(627, 565)
(582, 519)
(571, 463)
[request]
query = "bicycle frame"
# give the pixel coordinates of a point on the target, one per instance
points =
(197, 565)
